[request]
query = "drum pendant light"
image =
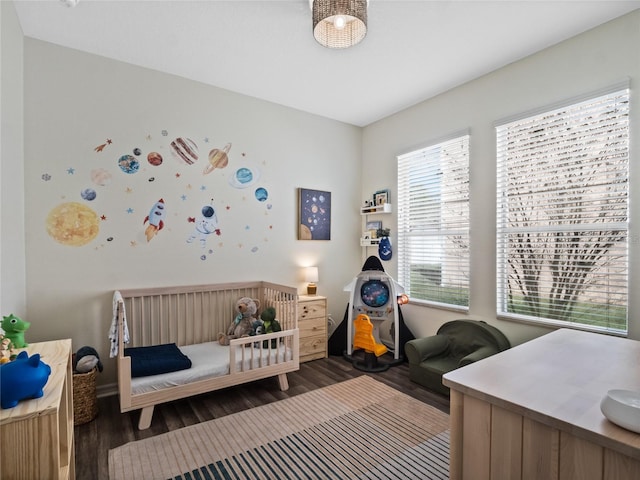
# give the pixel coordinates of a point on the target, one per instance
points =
(339, 23)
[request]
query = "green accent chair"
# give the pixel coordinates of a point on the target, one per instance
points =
(456, 344)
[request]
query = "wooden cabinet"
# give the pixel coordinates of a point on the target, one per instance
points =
(312, 323)
(37, 435)
(533, 411)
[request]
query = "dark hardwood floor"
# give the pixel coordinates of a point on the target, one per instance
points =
(111, 428)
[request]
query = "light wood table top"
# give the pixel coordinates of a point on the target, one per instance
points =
(56, 355)
(559, 380)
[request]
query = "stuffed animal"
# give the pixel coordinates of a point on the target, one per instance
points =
(242, 324)
(14, 329)
(257, 328)
(270, 325)
(25, 377)
(5, 349)
(86, 359)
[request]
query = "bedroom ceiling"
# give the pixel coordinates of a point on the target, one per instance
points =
(413, 49)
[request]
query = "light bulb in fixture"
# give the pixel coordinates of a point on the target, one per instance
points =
(339, 22)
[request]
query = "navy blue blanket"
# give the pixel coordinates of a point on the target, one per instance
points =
(156, 359)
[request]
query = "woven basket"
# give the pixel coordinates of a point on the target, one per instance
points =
(85, 401)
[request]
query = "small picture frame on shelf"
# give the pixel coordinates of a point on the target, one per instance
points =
(374, 226)
(381, 197)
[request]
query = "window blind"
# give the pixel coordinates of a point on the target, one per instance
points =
(562, 215)
(433, 222)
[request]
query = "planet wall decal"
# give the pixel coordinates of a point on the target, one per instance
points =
(154, 158)
(88, 194)
(244, 177)
(100, 177)
(184, 150)
(217, 159)
(72, 224)
(128, 164)
(261, 194)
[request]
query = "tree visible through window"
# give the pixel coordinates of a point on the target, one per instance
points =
(562, 218)
(433, 222)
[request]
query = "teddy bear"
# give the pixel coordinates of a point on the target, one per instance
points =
(242, 325)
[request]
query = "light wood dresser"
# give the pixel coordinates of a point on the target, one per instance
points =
(312, 323)
(36, 436)
(533, 412)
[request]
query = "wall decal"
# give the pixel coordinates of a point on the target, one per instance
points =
(206, 224)
(88, 194)
(244, 176)
(101, 176)
(261, 194)
(100, 148)
(217, 158)
(106, 179)
(154, 158)
(128, 164)
(72, 224)
(155, 219)
(184, 150)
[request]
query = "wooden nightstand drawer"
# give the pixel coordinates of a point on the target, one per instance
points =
(312, 309)
(313, 347)
(313, 326)
(312, 323)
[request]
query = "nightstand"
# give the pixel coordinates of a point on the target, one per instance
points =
(312, 323)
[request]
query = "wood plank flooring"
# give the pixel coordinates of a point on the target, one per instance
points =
(111, 428)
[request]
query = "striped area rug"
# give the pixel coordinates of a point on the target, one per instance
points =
(356, 429)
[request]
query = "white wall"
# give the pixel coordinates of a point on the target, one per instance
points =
(75, 101)
(12, 233)
(583, 64)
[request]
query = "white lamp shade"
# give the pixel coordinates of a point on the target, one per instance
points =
(311, 274)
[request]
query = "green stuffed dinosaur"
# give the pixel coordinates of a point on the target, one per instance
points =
(270, 325)
(14, 328)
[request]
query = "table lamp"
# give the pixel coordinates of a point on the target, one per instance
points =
(311, 276)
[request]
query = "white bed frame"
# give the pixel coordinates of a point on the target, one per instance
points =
(189, 315)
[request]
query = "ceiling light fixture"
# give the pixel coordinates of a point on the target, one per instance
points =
(339, 23)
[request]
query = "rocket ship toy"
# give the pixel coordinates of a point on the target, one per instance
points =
(155, 219)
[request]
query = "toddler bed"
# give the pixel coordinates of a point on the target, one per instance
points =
(184, 322)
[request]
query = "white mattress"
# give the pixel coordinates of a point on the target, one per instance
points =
(209, 360)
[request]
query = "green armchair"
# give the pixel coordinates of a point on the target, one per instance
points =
(456, 344)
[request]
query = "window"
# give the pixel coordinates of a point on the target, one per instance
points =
(433, 223)
(562, 215)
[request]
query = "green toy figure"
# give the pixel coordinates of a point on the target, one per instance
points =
(270, 325)
(14, 328)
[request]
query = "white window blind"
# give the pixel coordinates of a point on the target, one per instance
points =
(562, 215)
(433, 223)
